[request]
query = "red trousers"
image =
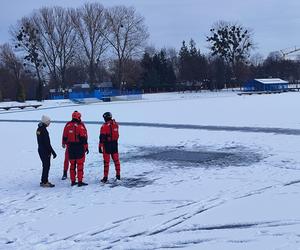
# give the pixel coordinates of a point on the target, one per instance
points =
(78, 163)
(66, 162)
(115, 157)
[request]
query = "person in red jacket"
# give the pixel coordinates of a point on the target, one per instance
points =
(75, 137)
(108, 145)
(66, 161)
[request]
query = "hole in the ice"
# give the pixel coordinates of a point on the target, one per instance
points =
(224, 158)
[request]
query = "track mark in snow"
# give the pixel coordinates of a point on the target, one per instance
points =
(240, 241)
(173, 219)
(38, 209)
(6, 241)
(226, 226)
(255, 192)
(186, 205)
(174, 222)
(239, 226)
(137, 234)
(261, 190)
(85, 236)
(63, 239)
(292, 183)
(103, 230)
(183, 244)
(171, 223)
(126, 219)
(31, 197)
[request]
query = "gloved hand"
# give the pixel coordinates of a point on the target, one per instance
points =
(54, 155)
(87, 151)
(63, 145)
(100, 150)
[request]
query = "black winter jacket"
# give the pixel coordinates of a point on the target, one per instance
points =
(43, 139)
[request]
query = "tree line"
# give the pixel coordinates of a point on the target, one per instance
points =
(56, 47)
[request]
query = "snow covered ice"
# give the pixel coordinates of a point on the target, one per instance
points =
(232, 184)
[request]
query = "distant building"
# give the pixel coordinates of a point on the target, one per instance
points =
(102, 91)
(80, 87)
(266, 85)
(80, 91)
(104, 86)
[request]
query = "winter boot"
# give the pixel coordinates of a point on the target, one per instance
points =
(118, 177)
(48, 184)
(104, 179)
(73, 183)
(65, 175)
(81, 183)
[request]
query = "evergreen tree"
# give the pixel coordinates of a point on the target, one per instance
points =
(195, 62)
(166, 72)
(149, 76)
(192, 65)
(158, 72)
(183, 63)
(218, 73)
(21, 96)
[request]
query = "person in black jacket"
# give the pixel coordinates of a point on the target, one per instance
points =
(45, 149)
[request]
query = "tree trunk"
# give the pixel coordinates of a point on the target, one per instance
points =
(39, 91)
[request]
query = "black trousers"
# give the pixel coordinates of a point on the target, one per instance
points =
(45, 158)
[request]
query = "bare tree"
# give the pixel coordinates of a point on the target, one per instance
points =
(26, 38)
(89, 23)
(15, 67)
(127, 35)
(257, 59)
(57, 40)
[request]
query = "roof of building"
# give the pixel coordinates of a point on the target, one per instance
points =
(271, 81)
(104, 85)
(81, 85)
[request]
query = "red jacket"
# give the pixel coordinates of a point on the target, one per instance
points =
(109, 135)
(76, 138)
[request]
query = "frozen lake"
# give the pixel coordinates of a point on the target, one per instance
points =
(199, 171)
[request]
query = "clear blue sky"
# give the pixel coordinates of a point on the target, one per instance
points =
(275, 23)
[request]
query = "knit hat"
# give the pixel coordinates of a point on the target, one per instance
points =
(46, 120)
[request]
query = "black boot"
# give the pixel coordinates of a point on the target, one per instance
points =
(65, 175)
(104, 179)
(73, 183)
(81, 183)
(118, 177)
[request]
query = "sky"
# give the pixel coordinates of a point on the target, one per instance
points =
(275, 23)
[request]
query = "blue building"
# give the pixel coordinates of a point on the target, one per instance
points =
(266, 85)
(103, 91)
